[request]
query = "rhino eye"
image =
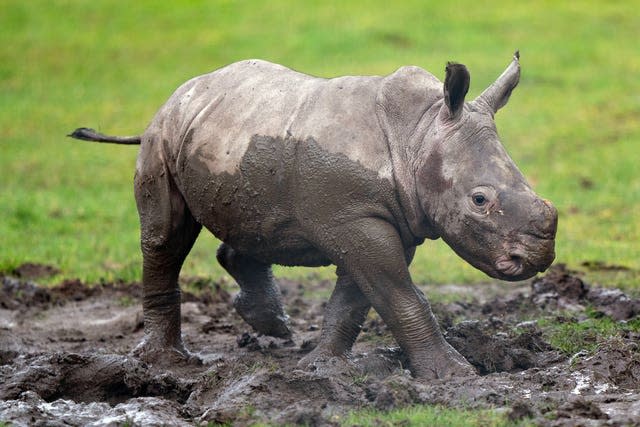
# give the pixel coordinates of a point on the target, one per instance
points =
(479, 199)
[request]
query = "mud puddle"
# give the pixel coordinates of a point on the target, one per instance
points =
(64, 359)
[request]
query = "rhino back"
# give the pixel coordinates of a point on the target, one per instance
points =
(224, 109)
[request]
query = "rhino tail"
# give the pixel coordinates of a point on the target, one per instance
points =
(87, 134)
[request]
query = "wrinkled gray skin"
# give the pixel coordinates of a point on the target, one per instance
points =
(289, 169)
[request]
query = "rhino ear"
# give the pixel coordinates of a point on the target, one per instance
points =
(497, 95)
(456, 86)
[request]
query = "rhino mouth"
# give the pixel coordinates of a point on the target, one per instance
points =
(524, 261)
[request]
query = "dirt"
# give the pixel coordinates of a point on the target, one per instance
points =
(64, 358)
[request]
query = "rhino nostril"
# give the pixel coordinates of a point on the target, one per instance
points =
(517, 261)
(511, 264)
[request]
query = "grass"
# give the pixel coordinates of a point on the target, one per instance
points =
(426, 416)
(570, 335)
(572, 125)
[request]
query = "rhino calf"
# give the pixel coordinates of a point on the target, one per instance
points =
(290, 169)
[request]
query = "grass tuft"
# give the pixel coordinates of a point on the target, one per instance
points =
(571, 336)
(426, 416)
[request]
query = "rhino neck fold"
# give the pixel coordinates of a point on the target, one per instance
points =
(408, 162)
(405, 158)
(406, 105)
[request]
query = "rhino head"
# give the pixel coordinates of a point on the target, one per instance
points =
(472, 192)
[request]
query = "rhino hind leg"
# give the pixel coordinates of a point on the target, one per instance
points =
(258, 302)
(343, 318)
(168, 231)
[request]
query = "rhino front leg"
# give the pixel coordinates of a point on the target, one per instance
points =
(343, 318)
(168, 231)
(371, 251)
(258, 302)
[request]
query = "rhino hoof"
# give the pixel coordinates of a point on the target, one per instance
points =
(165, 355)
(446, 368)
(273, 326)
(329, 365)
(267, 319)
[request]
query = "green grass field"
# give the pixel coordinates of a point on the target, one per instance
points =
(573, 124)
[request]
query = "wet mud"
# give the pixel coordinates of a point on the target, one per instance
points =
(64, 358)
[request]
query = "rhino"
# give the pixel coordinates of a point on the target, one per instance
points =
(354, 171)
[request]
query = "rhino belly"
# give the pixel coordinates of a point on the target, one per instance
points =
(254, 209)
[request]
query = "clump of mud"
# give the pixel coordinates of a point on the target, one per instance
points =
(562, 289)
(64, 359)
(31, 270)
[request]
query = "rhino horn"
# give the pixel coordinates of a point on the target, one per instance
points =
(496, 96)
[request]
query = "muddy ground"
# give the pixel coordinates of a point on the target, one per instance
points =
(64, 358)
